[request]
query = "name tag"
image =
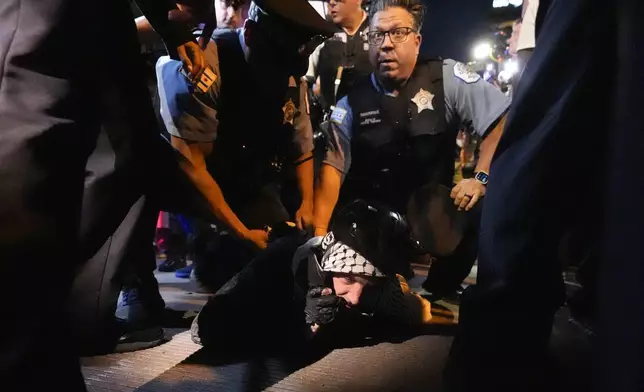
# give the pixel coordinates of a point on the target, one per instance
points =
(370, 117)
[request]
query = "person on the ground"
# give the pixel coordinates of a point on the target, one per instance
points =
(323, 287)
(396, 130)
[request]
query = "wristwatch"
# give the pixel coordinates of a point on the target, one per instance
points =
(482, 177)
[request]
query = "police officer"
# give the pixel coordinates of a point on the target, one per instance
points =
(396, 130)
(341, 60)
(246, 125)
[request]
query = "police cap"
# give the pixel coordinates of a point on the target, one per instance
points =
(300, 13)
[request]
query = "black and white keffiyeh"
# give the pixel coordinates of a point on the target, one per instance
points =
(339, 257)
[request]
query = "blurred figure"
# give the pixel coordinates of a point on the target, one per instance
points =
(58, 88)
(230, 13)
(542, 162)
(526, 40)
(337, 63)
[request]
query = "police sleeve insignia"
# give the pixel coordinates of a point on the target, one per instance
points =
(465, 73)
(338, 115)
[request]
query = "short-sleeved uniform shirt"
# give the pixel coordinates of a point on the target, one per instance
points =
(192, 116)
(470, 101)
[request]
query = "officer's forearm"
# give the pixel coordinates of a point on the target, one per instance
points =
(326, 197)
(488, 146)
(196, 170)
(156, 12)
(304, 173)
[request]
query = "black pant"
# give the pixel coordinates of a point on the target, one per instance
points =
(541, 163)
(447, 273)
(58, 83)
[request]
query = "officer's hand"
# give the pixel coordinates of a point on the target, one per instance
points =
(304, 217)
(258, 237)
(467, 193)
(192, 58)
(321, 306)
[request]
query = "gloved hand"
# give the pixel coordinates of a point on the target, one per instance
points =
(321, 306)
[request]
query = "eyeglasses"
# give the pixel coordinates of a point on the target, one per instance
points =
(397, 35)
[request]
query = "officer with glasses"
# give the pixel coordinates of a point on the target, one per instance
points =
(396, 131)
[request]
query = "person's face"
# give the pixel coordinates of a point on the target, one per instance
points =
(350, 287)
(342, 10)
(227, 16)
(394, 56)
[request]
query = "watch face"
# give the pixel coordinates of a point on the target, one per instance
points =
(482, 177)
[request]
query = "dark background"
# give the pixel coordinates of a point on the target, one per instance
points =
(452, 27)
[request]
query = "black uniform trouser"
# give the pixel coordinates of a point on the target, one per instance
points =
(447, 273)
(57, 85)
(550, 176)
(121, 202)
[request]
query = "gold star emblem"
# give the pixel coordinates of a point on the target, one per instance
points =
(289, 112)
(423, 100)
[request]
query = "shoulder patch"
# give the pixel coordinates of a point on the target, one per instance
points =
(338, 115)
(465, 73)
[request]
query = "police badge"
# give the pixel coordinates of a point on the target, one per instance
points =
(289, 112)
(465, 73)
(423, 100)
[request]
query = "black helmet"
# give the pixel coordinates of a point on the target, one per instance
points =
(381, 235)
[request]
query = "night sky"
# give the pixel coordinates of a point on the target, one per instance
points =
(452, 27)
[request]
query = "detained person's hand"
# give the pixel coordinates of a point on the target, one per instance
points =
(321, 307)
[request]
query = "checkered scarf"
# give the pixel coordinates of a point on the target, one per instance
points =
(339, 257)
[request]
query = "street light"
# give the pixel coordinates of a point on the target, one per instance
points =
(511, 67)
(482, 51)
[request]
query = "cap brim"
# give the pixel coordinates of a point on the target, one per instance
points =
(300, 13)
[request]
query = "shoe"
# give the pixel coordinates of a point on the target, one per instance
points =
(185, 272)
(141, 305)
(172, 264)
(134, 338)
(131, 307)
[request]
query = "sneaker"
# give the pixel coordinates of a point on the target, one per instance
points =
(131, 306)
(172, 264)
(185, 272)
